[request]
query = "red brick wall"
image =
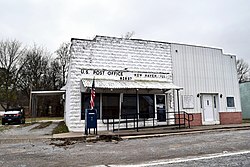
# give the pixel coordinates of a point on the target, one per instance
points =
(197, 120)
(230, 118)
(225, 118)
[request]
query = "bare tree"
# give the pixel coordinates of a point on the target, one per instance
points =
(242, 70)
(63, 54)
(11, 51)
(55, 75)
(35, 70)
(128, 35)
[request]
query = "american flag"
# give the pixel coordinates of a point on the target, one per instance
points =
(92, 95)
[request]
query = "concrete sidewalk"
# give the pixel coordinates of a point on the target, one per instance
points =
(153, 132)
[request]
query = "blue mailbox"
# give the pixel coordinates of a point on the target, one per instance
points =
(90, 120)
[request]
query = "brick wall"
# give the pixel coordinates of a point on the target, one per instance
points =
(111, 54)
(197, 120)
(118, 53)
(230, 118)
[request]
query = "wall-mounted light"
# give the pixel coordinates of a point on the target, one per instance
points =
(221, 95)
(198, 95)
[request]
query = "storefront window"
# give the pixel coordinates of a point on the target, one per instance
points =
(146, 106)
(129, 106)
(86, 104)
(110, 106)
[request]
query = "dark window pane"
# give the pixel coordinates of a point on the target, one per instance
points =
(86, 104)
(110, 106)
(230, 102)
(214, 101)
(146, 106)
(129, 106)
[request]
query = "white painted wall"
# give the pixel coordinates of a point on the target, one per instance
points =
(111, 54)
(205, 70)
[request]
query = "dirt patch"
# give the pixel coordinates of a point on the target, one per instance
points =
(86, 139)
(42, 125)
(60, 143)
(109, 138)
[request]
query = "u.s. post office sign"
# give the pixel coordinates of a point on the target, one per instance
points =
(124, 75)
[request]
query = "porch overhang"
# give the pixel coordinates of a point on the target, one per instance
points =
(129, 84)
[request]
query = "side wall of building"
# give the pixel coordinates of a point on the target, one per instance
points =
(203, 70)
(245, 99)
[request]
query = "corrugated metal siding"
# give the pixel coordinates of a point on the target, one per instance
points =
(205, 70)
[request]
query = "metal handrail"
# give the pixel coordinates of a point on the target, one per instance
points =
(188, 118)
(140, 117)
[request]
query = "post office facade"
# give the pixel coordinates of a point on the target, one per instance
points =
(153, 81)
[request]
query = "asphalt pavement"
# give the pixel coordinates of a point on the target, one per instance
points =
(153, 132)
(46, 133)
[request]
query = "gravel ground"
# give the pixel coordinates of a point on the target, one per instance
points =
(78, 153)
(17, 131)
(46, 152)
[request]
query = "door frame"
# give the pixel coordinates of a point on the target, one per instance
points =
(215, 108)
(166, 107)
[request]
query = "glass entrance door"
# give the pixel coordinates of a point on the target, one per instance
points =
(161, 108)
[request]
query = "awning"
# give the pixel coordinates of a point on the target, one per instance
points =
(131, 84)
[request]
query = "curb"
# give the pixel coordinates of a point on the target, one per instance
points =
(182, 133)
(124, 136)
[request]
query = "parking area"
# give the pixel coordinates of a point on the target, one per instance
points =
(31, 130)
(40, 129)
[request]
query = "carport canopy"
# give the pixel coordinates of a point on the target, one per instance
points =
(34, 94)
(48, 93)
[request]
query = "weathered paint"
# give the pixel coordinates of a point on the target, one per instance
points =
(111, 54)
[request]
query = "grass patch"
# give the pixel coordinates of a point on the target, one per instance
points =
(246, 121)
(42, 125)
(2, 128)
(61, 128)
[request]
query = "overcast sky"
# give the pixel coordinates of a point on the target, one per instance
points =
(216, 23)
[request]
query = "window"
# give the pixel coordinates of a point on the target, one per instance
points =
(146, 106)
(129, 106)
(110, 105)
(230, 102)
(86, 104)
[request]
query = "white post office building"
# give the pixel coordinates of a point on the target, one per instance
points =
(151, 83)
